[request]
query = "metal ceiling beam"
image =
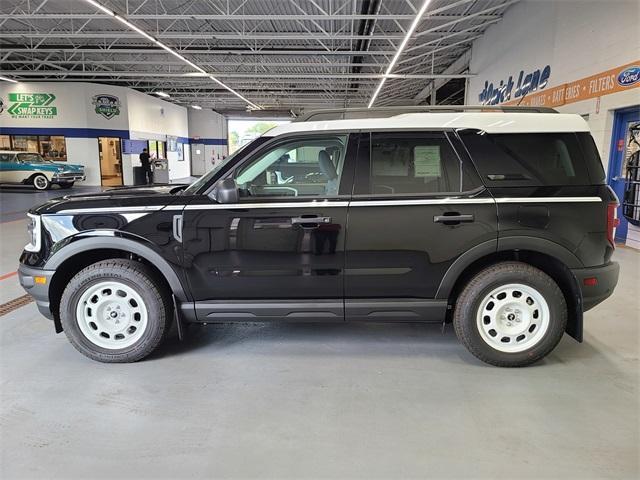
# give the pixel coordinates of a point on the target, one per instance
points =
(161, 74)
(226, 18)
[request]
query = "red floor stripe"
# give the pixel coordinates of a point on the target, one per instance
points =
(8, 275)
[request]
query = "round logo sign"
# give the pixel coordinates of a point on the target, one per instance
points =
(629, 76)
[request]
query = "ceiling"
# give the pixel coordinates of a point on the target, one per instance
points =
(279, 54)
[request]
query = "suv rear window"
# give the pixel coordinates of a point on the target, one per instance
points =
(534, 158)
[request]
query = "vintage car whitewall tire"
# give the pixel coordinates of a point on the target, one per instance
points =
(40, 181)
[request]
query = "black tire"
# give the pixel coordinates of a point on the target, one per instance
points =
(135, 276)
(466, 321)
(40, 182)
(66, 185)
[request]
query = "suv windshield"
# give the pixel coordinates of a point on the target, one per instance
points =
(195, 186)
(31, 158)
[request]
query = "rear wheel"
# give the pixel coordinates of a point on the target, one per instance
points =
(510, 315)
(41, 182)
(115, 311)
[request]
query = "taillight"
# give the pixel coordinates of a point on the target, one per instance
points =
(612, 222)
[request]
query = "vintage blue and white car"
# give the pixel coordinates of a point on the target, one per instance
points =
(29, 168)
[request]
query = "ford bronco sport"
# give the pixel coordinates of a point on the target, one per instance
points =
(497, 220)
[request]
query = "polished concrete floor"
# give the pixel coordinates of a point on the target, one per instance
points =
(319, 401)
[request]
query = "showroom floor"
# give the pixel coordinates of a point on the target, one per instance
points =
(293, 400)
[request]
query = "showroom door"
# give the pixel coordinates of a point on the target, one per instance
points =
(110, 161)
(198, 162)
(278, 251)
(416, 208)
(623, 146)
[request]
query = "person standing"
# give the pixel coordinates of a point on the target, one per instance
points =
(146, 166)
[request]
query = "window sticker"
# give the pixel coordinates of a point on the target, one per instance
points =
(427, 161)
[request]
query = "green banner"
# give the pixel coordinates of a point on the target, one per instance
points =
(32, 105)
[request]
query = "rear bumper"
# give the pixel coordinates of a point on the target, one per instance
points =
(40, 290)
(606, 277)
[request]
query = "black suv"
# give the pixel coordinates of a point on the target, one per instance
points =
(497, 221)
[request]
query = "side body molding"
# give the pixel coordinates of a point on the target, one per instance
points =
(84, 242)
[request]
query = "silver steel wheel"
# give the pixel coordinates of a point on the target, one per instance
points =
(111, 315)
(513, 318)
(40, 182)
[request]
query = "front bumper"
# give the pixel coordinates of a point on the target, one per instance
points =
(606, 280)
(38, 290)
(68, 177)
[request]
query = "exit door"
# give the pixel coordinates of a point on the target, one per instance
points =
(198, 160)
(622, 149)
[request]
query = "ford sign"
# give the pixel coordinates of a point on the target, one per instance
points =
(629, 76)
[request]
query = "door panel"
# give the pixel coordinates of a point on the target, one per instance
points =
(260, 252)
(400, 245)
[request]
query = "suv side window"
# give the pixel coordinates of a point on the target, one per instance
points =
(413, 163)
(303, 167)
(535, 159)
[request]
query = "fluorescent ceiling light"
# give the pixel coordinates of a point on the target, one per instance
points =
(163, 94)
(170, 50)
(8, 79)
(101, 8)
(196, 107)
(394, 60)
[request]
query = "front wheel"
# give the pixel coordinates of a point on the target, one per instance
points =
(115, 311)
(41, 182)
(510, 315)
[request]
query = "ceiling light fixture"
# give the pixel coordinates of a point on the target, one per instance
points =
(163, 94)
(8, 79)
(170, 50)
(394, 60)
(196, 107)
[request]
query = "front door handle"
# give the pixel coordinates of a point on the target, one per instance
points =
(311, 221)
(453, 218)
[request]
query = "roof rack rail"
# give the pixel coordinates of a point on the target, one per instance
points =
(362, 112)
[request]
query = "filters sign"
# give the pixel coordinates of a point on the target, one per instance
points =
(32, 105)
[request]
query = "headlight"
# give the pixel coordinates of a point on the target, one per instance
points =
(33, 230)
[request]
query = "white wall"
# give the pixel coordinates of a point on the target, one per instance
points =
(209, 127)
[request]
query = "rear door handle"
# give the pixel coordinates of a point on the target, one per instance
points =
(452, 219)
(310, 221)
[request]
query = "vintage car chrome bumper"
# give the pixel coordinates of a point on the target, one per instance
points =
(68, 177)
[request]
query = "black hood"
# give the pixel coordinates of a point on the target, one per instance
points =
(115, 198)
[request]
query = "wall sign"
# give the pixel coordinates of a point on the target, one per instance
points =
(32, 105)
(615, 80)
(536, 80)
(106, 105)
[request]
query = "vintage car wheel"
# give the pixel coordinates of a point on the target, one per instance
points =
(41, 182)
(66, 185)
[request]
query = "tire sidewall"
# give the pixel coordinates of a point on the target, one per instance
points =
(156, 315)
(466, 316)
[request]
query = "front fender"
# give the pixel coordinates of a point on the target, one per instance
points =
(116, 240)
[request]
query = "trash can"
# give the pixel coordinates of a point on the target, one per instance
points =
(139, 177)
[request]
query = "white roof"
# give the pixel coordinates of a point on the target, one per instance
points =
(490, 122)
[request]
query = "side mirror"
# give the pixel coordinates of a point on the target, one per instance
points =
(225, 191)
